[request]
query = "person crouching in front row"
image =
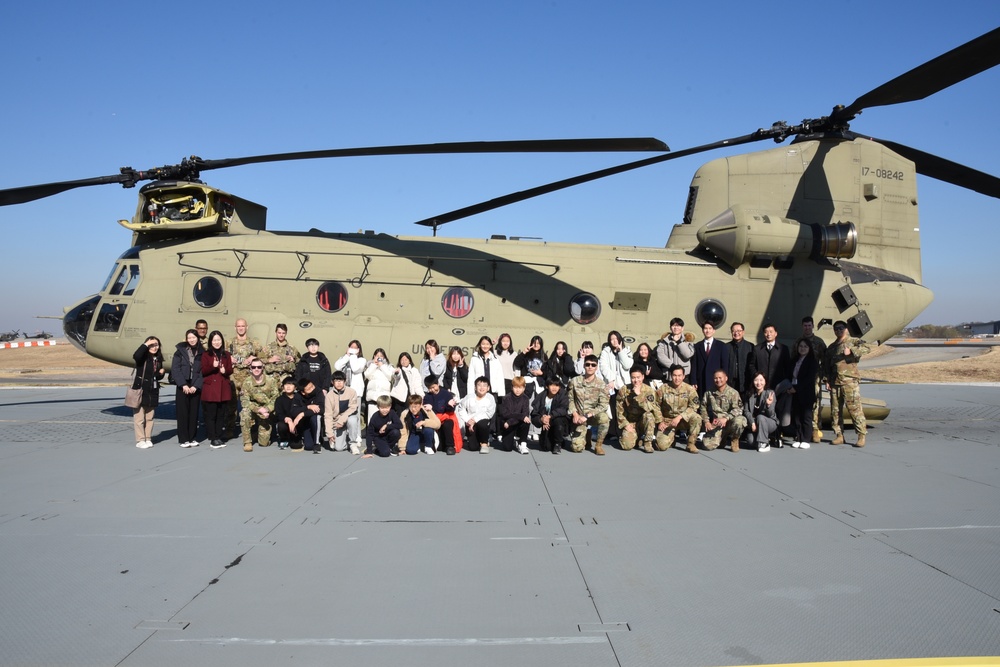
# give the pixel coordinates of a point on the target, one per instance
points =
(476, 411)
(340, 416)
(514, 418)
(384, 429)
(420, 424)
(550, 412)
(289, 413)
(442, 404)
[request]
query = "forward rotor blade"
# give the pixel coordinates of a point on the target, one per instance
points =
(190, 168)
(33, 192)
(530, 146)
(933, 76)
(945, 170)
(515, 197)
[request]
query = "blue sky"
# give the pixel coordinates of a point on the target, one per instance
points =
(90, 87)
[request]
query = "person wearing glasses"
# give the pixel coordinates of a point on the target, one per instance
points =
(148, 375)
(259, 392)
(588, 406)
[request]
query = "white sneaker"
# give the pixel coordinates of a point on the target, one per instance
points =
(796, 444)
(803, 445)
(428, 450)
(356, 450)
(484, 449)
(764, 448)
(522, 448)
(144, 444)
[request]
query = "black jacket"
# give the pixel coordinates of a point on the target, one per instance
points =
(182, 371)
(560, 406)
(148, 373)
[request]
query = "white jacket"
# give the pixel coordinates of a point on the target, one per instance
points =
(356, 365)
(400, 391)
(477, 369)
(379, 380)
(472, 407)
(614, 368)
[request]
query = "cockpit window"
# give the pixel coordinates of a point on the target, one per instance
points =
(127, 280)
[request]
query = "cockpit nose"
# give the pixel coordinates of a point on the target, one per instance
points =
(76, 321)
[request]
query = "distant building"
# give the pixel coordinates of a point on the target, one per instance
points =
(983, 328)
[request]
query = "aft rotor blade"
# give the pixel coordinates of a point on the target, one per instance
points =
(530, 146)
(937, 167)
(933, 76)
(515, 197)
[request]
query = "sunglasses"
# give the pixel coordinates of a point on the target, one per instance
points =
(591, 365)
(255, 366)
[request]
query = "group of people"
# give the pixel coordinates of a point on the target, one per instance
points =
(713, 391)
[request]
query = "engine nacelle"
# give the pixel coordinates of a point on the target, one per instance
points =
(737, 236)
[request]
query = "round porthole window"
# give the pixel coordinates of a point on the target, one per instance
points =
(208, 292)
(457, 302)
(710, 311)
(584, 308)
(331, 297)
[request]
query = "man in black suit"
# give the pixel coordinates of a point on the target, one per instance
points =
(740, 359)
(773, 360)
(710, 355)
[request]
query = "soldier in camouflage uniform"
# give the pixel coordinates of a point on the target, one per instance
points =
(722, 414)
(588, 406)
(244, 350)
(258, 391)
(638, 412)
(819, 351)
(679, 405)
(843, 380)
(280, 356)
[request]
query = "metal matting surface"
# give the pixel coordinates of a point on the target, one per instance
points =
(114, 555)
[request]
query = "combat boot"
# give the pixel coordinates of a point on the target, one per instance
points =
(599, 447)
(817, 435)
(734, 444)
(647, 447)
(861, 441)
(692, 446)
(839, 440)
(247, 447)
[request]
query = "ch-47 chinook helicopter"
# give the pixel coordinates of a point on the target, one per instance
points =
(826, 225)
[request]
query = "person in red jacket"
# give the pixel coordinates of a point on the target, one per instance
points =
(217, 390)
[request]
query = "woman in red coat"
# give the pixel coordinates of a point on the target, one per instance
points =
(217, 390)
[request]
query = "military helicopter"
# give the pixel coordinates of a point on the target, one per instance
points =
(826, 225)
(8, 336)
(42, 335)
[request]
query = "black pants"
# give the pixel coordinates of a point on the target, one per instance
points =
(480, 433)
(517, 430)
(187, 416)
(553, 437)
(215, 418)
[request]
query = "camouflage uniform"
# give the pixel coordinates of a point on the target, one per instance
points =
(642, 410)
(256, 396)
(680, 402)
(819, 351)
(844, 378)
(588, 398)
(285, 365)
(722, 403)
(241, 352)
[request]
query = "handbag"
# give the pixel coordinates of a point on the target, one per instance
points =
(133, 397)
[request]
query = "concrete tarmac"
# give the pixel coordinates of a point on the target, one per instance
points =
(113, 555)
